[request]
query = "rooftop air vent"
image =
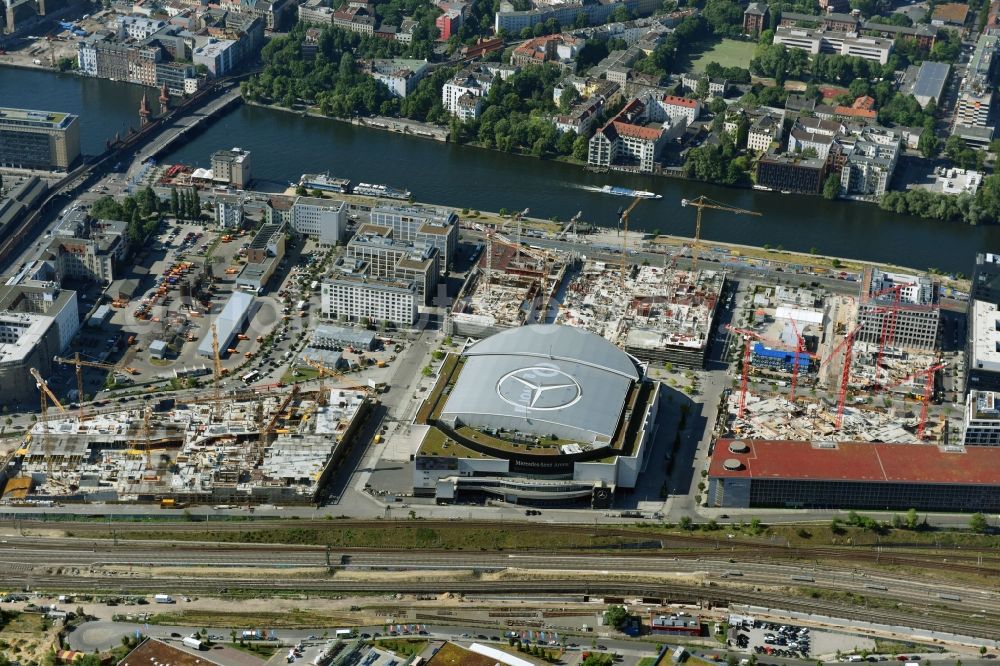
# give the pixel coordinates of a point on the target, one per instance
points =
(738, 446)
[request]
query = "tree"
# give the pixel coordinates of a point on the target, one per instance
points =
(831, 187)
(567, 98)
(106, 208)
(615, 616)
(174, 201)
(912, 519)
(978, 524)
(686, 523)
(581, 146)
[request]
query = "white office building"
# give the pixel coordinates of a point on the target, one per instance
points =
(325, 219)
(354, 297)
(982, 419)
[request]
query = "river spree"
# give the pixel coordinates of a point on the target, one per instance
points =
(286, 145)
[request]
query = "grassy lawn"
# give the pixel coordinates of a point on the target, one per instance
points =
(295, 619)
(403, 646)
(262, 650)
(728, 53)
(647, 661)
(403, 536)
(301, 374)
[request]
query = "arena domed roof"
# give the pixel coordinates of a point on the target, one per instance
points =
(543, 380)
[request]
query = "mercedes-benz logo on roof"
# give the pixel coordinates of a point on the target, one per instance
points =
(538, 387)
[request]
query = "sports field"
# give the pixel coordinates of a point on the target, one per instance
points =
(728, 53)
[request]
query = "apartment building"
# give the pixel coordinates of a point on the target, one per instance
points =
(756, 18)
(870, 162)
(764, 131)
(138, 27)
(983, 348)
(400, 75)
(460, 96)
(559, 48)
(975, 97)
(229, 210)
(633, 140)
(681, 107)
(325, 219)
(513, 21)
(87, 250)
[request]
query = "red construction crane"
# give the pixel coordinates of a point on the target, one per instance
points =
(753, 335)
(800, 347)
(845, 376)
(889, 321)
(928, 374)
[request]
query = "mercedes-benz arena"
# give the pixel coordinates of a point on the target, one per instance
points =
(538, 414)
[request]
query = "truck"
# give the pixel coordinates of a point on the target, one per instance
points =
(163, 599)
(252, 635)
(193, 642)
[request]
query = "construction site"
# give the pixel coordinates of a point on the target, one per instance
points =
(510, 286)
(657, 314)
(263, 444)
(839, 368)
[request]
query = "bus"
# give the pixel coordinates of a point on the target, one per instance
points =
(250, 376)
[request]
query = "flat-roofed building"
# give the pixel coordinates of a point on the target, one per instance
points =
(234, 316)
(357, 296)
(38, 139)
(426, 225)
(854, 475)
(983, 351)
(232, 166)
(323, 219)
(930, 81)
(917, 310)
(387, 257)
(981, 426)
(36, 324)
(264, 254)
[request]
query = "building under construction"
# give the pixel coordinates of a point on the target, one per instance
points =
(798, 346)
(898, 311)
(247, 448)
(510, 286)
(659, 315)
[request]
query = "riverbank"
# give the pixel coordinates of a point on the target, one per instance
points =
(790, 261)
(405, 126)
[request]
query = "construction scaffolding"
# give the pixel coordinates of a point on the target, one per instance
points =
(661, 315)
(193, 451)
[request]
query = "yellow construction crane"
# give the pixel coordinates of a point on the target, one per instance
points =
(45, 394)
(80, 365)
(702, 203)
(324, 372)
(147, 444)
(623, 220)
(265, 438)
(218, 370)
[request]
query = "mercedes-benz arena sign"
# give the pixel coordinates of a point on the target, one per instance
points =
(539, 387)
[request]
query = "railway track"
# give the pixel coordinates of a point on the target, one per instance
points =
(981, 561)
(933, 619)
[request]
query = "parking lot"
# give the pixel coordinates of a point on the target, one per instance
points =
(767, 639)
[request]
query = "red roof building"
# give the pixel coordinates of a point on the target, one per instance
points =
(859, 475)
